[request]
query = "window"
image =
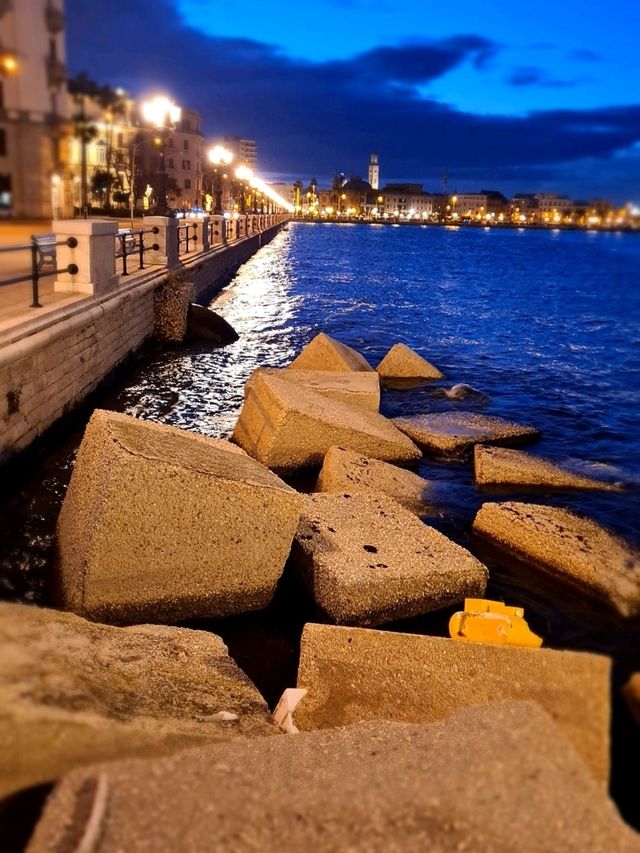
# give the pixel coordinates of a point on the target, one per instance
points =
(170, 163)
(185, 145)
(186, 126)
(3, 143)
(187, 184)
(186, 164)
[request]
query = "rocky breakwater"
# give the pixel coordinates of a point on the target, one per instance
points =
(407, 741)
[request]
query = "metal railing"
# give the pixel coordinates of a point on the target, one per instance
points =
(130, 243)
(43, 254)
(185, 239)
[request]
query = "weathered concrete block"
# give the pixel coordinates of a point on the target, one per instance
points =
(347, 471)
(170, 306)
(355, 674)
(498, 466)
(498, 777)
(325, 353)
(73, 692)
(367, 560)
(573, 550)
(161, 524)
(287, 427)
(401, 362)
(456, 432)
(357, 388)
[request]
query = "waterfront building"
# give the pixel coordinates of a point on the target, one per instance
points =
(244, 150)
(487, 205)
(184, 157)
(553, 207)
(34, 108)
(374, 171)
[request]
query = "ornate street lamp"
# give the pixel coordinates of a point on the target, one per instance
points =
(219, 156)
(162, 114)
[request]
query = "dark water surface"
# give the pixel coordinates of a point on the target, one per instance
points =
(546, 324)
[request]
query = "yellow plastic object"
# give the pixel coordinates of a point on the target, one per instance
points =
(484, 621)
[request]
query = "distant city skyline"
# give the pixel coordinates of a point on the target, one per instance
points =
(495, 94)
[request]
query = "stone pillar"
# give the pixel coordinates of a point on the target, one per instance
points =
(166, 239)
(232, 230)
(218, 231)
(202, 233)
(94, 255)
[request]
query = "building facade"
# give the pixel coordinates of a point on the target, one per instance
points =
(374, 171)
(184, 159)
(34, 108)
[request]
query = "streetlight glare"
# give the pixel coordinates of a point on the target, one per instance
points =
(157, 110)
(219, 155)
(244, 173)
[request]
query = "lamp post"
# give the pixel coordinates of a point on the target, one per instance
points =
(162, 114)
(219, 156)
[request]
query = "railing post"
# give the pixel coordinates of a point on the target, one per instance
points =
(166, 239)
(35, 274)
(94, 255)
(202, 233)
(218, 230)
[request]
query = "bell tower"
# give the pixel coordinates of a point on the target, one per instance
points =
(374, 171)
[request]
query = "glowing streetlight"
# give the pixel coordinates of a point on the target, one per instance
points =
(163, 114)
(8, 64)
(219, 156)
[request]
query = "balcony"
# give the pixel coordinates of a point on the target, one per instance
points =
(56, 73)
(5, 6)
(54, 18)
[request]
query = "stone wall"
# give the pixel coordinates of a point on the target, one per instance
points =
(44, 375)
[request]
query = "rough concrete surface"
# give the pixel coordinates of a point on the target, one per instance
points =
(347, 471)
(456, 432)
(325, 353)
(499, 777)
(401, 362)
(356, 674)
(367, 560)
(358, 388)
(287, 427)
(159, 524)
(574, 550)
(73, 692)
(170, 307)
(499, 466)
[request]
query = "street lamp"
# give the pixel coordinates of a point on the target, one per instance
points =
(219, 156)
(160, 112)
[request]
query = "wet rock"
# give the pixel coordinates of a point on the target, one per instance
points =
(631, 692)
(206, 326)
(325, 353)
(452, 433)
(73, 692)
(497, 466)
(345, 471)
(499, 777)
(366, 560)
(160, 524)
(357, 388)
(464, 392)
(356, 674)
(287, 427)
(401, 362)
(574, 550)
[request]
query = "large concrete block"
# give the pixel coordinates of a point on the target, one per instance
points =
(456, 432)
(498, 466)
(347, 471)
(357, 388)
(73, 692)
(401, 362)
(161, 524)
(367, 560)
(355, 674)
(325, 353)
(499, 777)
(287, 427)
(570, 549)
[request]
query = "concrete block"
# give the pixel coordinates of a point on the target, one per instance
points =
(498, 466)
(347, 471)
(366, 560)
(287, 427)
(451, 433)
(499, 777)
(357, 388)
(162, 524)
(73, 693)
(356, 674)
(572, 550)
(325, 353)
(401, 362)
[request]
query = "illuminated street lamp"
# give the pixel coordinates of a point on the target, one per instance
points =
(219, 156)
(162, 114)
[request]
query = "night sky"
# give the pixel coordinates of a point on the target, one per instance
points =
(502, 95)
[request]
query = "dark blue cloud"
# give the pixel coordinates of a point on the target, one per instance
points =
(313, 118)
(530, 75)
